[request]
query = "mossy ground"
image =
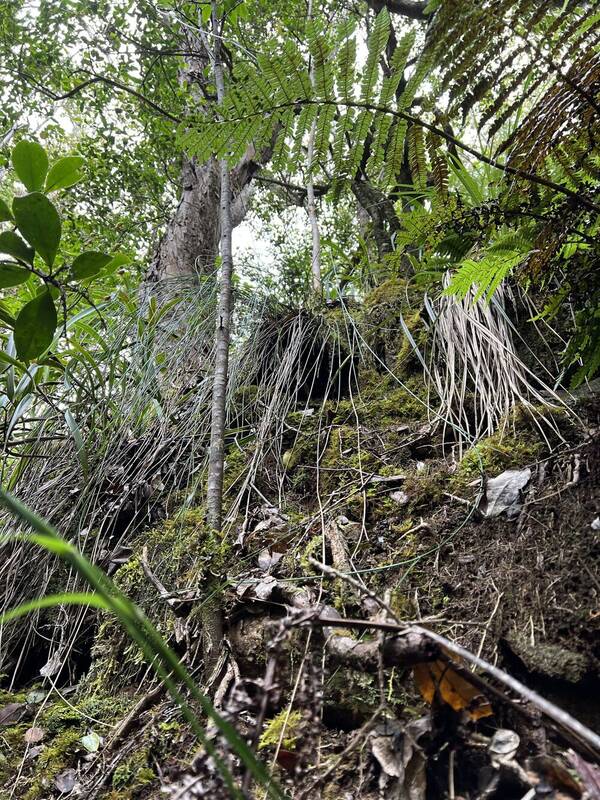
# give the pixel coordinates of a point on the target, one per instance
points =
(413, 540)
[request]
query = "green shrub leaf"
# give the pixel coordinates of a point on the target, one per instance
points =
(38, 221)
(88, 264)
(35, 326)
(12, 274)
(65, 172)
(118, 260)
(30, 162)
(5, 212)
(12, 244)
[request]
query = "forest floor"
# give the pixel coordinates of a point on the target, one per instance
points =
(495, 548)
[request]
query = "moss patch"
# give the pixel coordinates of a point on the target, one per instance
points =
(284, 724)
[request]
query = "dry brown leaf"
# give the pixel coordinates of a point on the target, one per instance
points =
(438, 678)
(33, 735)
(11, 713)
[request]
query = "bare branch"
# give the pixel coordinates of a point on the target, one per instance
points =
(406, 8)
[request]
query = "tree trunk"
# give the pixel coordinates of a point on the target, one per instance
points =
(190, 243)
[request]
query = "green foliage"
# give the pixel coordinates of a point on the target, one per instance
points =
(30, 162)
(64, 173)
(12, 275)
(40, 229)
(35, 326)
(167, 665)
(39, 222)
(485, 274)
(274, 100)
(282, 728)
(88, 264)
(12, 244)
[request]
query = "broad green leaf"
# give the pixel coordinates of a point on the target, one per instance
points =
(118, 260)
(88, 264)
(6, 317)
(35, 326)
(5, 212)
(12, 274)
(54, 291)
(65, 172)
(12, 244)
(38, 221)
(30, 162)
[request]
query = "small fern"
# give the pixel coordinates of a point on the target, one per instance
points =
(482, 277)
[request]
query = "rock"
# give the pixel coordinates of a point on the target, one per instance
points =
(549, 660)
(400, 497)
(503, 493)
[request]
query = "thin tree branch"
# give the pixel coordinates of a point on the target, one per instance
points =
(98, 79)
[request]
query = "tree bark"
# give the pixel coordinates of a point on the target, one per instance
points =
(190, 243)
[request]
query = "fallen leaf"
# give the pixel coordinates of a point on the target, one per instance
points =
(34, 735)
(268, 558)
(91, 742)
(503, 493)
(65, 781)
(503, 746)
(438, 679)
(33, 752)
(36, 696)
(265, 588)
(11, 713)
(53, 665)
(395, 747)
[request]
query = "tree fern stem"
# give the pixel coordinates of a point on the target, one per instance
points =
(311, 208)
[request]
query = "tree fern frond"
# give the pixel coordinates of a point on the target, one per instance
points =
(439, 165)
(321, 52)
(375, 47)
(395, 152)
(383, 122)
(481, 278)
(417, 158)
(345, 70)
(323, 130)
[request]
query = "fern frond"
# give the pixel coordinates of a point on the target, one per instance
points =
(345, 70)
(383, 122)
(439, 165)
(482, 278)
(375, 47)
(417, 158)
